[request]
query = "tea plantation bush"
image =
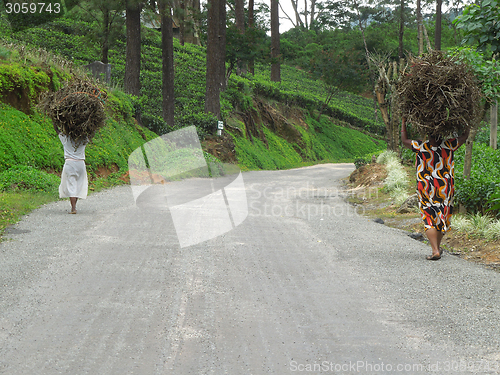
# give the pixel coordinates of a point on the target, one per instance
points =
(485, 177)
(28, 178)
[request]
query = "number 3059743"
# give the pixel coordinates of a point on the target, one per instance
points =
(32, 7)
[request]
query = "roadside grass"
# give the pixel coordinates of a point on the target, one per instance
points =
(477, 226)
(397, 182)
(13, 205)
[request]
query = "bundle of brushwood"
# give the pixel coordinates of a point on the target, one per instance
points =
(439, 95)
(77, 109)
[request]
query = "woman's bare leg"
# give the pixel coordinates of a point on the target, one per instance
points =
(435, 236)
(73, 201)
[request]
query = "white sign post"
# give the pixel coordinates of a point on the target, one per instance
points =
(220, 127)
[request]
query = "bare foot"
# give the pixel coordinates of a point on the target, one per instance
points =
(434, 256)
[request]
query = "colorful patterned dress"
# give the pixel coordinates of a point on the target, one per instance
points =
(435, 182)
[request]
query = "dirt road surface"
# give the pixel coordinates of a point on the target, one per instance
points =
(303, 285)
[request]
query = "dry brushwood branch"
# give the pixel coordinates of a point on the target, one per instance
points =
(439, 95)
(77, 110)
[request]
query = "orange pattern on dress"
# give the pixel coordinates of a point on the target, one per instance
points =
(435, 182)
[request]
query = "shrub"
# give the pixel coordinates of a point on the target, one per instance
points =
(28, 178)
(475, 192)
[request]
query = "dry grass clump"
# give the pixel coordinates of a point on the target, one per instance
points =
(77, 109)
(439, 95)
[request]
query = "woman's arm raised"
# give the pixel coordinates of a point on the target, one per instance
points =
(404, 137)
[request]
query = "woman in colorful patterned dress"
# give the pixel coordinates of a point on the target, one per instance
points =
(435, 183)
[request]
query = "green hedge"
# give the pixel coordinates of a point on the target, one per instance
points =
(485, 177)
(22, 178)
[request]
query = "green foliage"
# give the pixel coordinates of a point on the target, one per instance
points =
(239, 92)
(324, 141)
(298, 89)
(475, 193)
(494, 202)
(254, 155)
(344, 70)
(28, 178)
(190, 72)
(244, 47)
(15, 77)
(27, 141)
(486, 70)
(480, 24)
(343, 143)
(278, 154)
(67, 37)
(4, 53)
(346, 44)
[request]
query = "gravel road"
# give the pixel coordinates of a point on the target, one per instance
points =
(303, 285)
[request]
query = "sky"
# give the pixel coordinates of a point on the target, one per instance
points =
(285, 24)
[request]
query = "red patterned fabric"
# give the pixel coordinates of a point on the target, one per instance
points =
(435, 182)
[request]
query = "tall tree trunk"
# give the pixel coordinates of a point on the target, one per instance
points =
(222, 44)
(213, 85)
(305, 15)
(239, 15)
(275, 42)
(468, 152)
(251, 22)
(361, 27)
(105, 36)
(429, 47)
(437, 34)
(167, 48)
(494, 124)
(132, 84)
(386, 94)
(182, 22)
(420, 32)
(401, 29)
(298, 20)
(313, 14)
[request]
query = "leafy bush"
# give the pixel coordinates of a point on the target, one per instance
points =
(28, 178)
(69, 38)
(475, 193)
(32, 80)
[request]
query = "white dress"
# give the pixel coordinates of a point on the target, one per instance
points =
(74, 181)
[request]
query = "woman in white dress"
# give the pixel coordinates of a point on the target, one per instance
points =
(74, 183)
